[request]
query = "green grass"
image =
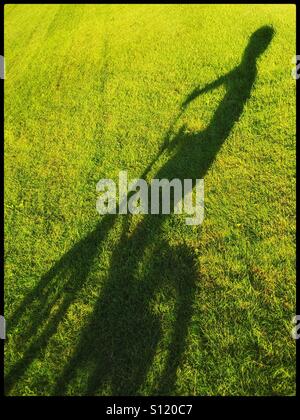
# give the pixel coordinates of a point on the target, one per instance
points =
(104, 305)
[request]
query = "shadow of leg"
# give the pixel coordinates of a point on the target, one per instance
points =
(59, 287)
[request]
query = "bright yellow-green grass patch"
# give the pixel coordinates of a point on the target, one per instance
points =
(103, 305)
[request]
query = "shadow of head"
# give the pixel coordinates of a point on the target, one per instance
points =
(259, 42)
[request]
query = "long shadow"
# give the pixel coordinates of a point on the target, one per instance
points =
(114, 353)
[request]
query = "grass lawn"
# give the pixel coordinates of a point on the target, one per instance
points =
(145, 304)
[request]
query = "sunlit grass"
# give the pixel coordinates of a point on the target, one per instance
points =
(91, 90)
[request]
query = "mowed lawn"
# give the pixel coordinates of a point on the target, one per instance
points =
(147, 305)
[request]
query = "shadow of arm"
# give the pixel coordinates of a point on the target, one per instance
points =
(197, 91)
